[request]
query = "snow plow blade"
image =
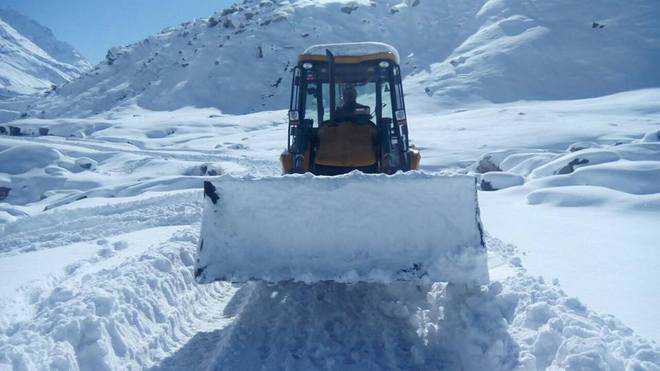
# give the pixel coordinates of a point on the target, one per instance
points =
(351, 228)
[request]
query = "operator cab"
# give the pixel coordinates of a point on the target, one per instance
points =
(347, 112)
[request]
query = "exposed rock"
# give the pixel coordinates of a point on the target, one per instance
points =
(233, 9)
(4, 192)
(227, 23)
(213, 22)
(570, 167)
(279, 17)
(14, 131)
(579, 146)
(496, 180)
(206, 170)
(86, 163)
(486, 164)
(110, 58)
(350, 8)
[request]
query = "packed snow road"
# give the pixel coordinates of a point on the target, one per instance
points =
(98, 236)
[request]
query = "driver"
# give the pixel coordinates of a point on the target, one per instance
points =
(350, 109)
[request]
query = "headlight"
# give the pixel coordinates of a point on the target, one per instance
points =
(384, 64)
(307, 65)
(293, 115)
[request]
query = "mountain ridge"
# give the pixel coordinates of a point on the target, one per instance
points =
(32, 59)
(239, 59)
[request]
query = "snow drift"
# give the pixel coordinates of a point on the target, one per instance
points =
(358, 227)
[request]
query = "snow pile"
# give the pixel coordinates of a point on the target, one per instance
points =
(33, 170)
(32, 59)
(628, 177)
(239, 59)
(631, 168)
(623, 174)
(307, 228)
(22, 158)
(127, 317)
(569, 163)
(558, 332)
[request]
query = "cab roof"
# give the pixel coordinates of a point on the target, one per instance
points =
(351, 52)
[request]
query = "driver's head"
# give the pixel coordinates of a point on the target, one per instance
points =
(349, 94)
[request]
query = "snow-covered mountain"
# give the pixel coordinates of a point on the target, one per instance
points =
(31, 58)
(44, 38)
(239, 59)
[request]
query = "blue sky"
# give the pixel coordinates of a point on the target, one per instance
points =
(94, 26)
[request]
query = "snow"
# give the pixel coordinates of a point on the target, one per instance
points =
(118, 278)
(100, 229)
(123, 317)
(22, 158)
(653, 136)
(89, 256)
(362, 326)
(529, 127)
(306, 228)
(606, 257)
(601, 216)
(549, 50)
(632, 177)
(568, 164)
(353, 49)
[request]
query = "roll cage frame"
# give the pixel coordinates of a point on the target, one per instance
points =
(392, 132)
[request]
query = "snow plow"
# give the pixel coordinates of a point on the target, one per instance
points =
(349, 207)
